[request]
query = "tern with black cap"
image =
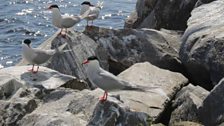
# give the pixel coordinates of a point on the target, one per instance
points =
(106, 80)
(38, 56)
(94, 11)
(64, 22)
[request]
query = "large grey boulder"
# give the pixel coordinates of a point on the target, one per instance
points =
(125, 47)
(71, 62)
(17, 76)
(186, 104)
(211, 112)
(156, 14)
(21, 91)
(162, 84)
(81, 108)
(202, 49)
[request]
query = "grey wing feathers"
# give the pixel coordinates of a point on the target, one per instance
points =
(112, 80)
(117, 83)
(42, 56)
(136, 87)
(44, 52)
(68, 22)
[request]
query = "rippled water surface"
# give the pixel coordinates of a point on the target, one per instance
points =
(20, 19)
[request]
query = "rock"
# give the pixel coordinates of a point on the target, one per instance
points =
(124, 47)
(211, 112)
(18, 76)
(71, 62)
(19, 95)
(202, 49)
(187, 103)
(162, 86)
(14, 109)
(185, 123)
(158, 14)
(81, 108)
(8, 86)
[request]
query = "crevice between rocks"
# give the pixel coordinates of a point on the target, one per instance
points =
(164, 116)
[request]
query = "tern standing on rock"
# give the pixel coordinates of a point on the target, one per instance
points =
(94, 10)
(105, 80)
(64, 22)
(38, 56)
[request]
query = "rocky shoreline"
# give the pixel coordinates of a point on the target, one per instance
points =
(181, 55)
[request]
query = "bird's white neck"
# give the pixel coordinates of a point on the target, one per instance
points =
(56, 17)
(93, 66)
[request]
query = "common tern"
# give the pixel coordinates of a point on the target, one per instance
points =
(38, 56)
(106, 80)
(65, 22)
(94, 11)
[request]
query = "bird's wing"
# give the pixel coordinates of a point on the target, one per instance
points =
(68, 21)
(111, 80)
(83, 9)
(44, 52)
(92, 16)
(99, 4)
(117, 83)
(94, 12)
(41, 56)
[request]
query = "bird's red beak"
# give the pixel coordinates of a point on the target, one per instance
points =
(85, 62)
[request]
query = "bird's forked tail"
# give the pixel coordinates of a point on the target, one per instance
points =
(99, 4)
(60, 49)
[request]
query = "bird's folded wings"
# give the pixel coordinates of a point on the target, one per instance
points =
(111, 79)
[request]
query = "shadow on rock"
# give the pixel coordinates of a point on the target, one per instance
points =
(110, 114)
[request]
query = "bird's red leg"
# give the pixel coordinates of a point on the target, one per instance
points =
(31, 70)
(36, 70)
(64, 35)
(104, 97)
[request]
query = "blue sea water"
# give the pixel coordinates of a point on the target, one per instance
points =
(21, 19)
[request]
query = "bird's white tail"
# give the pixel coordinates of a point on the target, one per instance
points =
(60, 49)
(100, 4)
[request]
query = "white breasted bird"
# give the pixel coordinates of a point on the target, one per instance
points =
(64, 22)
(106, 80)
(94, 10)
(38, 56)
